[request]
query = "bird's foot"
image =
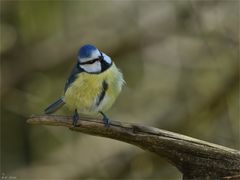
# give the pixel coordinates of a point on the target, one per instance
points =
(106, 120)
(75, 118)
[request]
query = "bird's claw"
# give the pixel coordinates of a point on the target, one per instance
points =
(75, 118)
(106, 120)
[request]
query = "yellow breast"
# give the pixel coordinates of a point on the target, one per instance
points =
(84, 92)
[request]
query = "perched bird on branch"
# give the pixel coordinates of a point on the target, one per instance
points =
(93, 85)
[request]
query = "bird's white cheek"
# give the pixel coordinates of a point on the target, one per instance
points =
(92, 68)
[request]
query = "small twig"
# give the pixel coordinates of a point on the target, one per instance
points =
(193, 157)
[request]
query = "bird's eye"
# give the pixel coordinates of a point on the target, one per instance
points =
(92, 61)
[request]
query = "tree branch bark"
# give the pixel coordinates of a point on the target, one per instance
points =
(194, 158)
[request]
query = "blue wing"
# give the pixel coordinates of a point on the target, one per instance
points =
(75, 71)
(59, 103)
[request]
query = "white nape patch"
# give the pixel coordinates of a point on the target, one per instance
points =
(92, 68)
(107, 58)
(95, 54)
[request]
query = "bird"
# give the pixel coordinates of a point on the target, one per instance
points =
(92, 87)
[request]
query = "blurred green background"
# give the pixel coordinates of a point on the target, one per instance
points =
(180, 60)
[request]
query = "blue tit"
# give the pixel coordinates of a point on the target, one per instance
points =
(93, 85)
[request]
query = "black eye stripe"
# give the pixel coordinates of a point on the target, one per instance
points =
(89, 62)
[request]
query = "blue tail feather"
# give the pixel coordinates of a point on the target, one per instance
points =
(54, 106)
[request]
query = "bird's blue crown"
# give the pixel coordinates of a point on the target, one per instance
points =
(86, 51)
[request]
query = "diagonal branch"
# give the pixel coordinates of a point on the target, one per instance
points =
(193, 157)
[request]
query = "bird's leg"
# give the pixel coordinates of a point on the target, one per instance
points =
(105, 119)
(75, 118)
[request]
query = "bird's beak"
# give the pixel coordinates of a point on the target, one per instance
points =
(101, 58)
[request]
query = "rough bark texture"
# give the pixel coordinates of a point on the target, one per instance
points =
(196, 159)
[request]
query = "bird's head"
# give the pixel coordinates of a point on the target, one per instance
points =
(92, 60)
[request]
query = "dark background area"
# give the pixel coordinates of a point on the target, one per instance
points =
(180, 60)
